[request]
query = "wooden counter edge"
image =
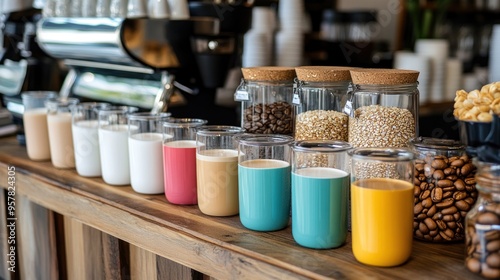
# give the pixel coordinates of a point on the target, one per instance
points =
(170, 243)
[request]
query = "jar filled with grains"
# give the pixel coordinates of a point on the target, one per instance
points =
(383, 107)
(482, 238)
(266, 95)
(444, 189)
(319, 98)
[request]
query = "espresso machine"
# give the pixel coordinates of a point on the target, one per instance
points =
(24, 66)
(157, 65)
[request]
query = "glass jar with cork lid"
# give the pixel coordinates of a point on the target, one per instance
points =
(320, 94)
(382, 107)
(266, 95)
(444, 189)
(482, 234)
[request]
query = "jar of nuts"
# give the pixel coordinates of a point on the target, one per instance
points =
(482, 236)
(444, 189)
(319, 100)
(383, 107)
(266, 95)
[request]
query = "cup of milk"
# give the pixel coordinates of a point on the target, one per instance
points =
(113, 131)
(145, 152)
(84, 122)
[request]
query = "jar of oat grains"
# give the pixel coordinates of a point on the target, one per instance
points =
(319, 97)
(266, 100)
(382, 107)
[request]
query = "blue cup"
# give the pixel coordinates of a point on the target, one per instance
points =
(264, 181)
(320, 193)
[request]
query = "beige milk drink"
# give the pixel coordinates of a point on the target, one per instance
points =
(36, 133)
(35, 124)
(60, 135)
(217, 170)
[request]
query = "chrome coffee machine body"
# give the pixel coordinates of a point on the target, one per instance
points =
(155, 64)
(23, 65)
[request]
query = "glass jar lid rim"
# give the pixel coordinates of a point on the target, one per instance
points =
(183, 122)
(118, 109)
(382, 154)
(314, 146)
(436, 143)
(215, 130)
(265, 139)
(39, 93)
(149, 116)
(62, 101)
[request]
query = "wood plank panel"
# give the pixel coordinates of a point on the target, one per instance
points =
(92, 254)
(168, 269)
(83, 251)
(36, 240)
(142, 264)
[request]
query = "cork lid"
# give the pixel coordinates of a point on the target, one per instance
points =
(375, 76)
(323, 73)
(269, 73)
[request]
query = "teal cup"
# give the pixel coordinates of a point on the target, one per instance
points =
(264, 181)
(320, 193)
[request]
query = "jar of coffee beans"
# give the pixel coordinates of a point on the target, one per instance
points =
(320, 94)
(266, 95)
(482, 235)
(383, 107)
(444, 189)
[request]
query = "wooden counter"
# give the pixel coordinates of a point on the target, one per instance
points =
(130, 231)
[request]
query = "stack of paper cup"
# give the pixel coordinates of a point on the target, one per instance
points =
(289, 40)
(453, 78)
(437, 51)
(412, 61)
(258, 41)
(289, 48)
(494, 60)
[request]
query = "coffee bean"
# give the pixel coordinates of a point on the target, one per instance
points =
(430, 223)
(462, 205)
(450, 210)
(262, 118)
(425, 195)
(438, 164)
(445, 183)
(488, 218)
(437, 194)
(473, 264)
(457, 163)
(445, 203)
(493, 260)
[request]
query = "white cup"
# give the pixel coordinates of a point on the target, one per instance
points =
(179, 9)
(136, 9)
(118, 8)
(158, 9)
(75, 8)
(62, 8)
(102, 8)
(88, 8)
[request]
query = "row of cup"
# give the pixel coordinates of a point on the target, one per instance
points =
(315, 178)
(174, 9)
(260, 177)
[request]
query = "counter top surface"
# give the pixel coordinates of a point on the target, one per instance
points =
(217, 246)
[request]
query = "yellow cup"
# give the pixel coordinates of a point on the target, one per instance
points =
(382, 205)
